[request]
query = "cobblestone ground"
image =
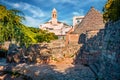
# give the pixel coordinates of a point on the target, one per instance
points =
(63, 70)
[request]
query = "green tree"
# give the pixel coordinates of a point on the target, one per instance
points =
(10, 21)
(111, 10)
(35, 30)
(11, 27)
(45, 36)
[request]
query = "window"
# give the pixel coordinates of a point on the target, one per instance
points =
(78, 21)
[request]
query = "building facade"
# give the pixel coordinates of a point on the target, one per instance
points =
(77, 20)
(90, 24)
(53, 25)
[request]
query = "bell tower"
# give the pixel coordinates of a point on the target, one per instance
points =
(54, 16)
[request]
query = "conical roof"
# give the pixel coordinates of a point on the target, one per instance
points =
(92, 21)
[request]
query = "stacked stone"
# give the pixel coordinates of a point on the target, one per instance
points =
(65, 52)
(91, 49)
(110, 57)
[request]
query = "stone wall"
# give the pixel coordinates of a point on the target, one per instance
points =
(72, 38)
(101, 53)
(65, 52)
(110, 57)
(60, 51)
(42, 53)
(91, 33)
(56, 43)
(91, 48)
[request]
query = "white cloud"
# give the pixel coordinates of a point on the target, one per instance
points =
(30, 21)
(31, 9)
(77, 3)
(66, 1)
(78, 13)
(33, 22)
(62, 1)
(34, 10)
(67, 20)
(33, 13)
(16, 5)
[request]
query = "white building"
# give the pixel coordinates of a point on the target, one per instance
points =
(53, 25)
(77, 20)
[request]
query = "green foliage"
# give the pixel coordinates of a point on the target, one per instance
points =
(45, 36)
(12, 29)
(35, 30)
(111, 10)
(27, 37)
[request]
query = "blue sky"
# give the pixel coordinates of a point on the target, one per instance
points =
(39, 11)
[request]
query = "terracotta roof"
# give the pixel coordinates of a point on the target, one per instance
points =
(92, 21)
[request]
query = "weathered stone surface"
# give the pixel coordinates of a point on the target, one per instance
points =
(101, 53)
(69, 51)
(13, 54)
(110, 59)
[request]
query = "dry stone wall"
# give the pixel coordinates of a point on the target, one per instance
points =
(101, 53)
(90, 51)
(60, 51)
(42, 53)
(110, 57)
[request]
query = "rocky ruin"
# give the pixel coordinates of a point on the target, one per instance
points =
(96, 58)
